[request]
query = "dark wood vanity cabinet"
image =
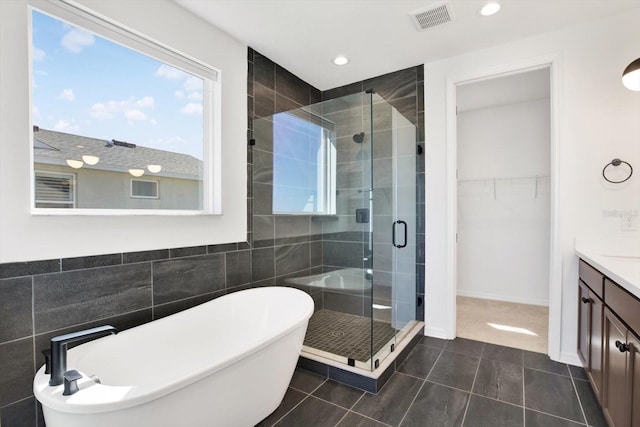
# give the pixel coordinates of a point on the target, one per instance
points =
(608, 345)
(615, 403)
(590, 324)
(590, 337)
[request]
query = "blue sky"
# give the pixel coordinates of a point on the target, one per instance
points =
(86, 85)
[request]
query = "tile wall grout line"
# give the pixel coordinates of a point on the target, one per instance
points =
(33, 342)
(153, 303)
(423, 383)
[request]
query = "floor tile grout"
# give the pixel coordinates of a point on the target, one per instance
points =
(421, 387)
(466, 409)
(420, 383)
(555, 416)
(289, 411)
(299, 403)
(575, 390)
(524, 393)
(367, 417)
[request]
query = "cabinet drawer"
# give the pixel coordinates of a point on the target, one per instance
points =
(625, 305)
(592, 277)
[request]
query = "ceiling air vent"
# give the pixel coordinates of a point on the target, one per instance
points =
(432, 16)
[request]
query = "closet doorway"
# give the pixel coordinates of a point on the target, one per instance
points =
(504, 209)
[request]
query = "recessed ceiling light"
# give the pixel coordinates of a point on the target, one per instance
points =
(490, 9)
(341, 60)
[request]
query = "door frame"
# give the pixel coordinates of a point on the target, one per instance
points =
(552, 62)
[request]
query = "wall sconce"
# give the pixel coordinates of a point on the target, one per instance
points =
(90, 160)
(76, 164)
(136, 172)
(631, 76)
(154, 168)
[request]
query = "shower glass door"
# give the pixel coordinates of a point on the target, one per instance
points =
(393, 166)
(342, 177)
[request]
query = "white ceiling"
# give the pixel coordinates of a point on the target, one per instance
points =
(378, 36)
(504, 90)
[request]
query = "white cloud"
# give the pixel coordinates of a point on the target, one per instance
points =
(146, 102)
(129, 108)
(76, 40)
(193, 96)
(67, 95)
(169, 72)
(135, 115)
(153, 121)
(101, 111)
(191, 109)
(38, 54)
(68, 126)
(193, 84)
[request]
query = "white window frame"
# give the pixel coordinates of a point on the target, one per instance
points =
(79, 15)
(62, 174)
(326, 172)
(327, 176)
(135, 196)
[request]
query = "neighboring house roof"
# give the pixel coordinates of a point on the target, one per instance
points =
(56, 147)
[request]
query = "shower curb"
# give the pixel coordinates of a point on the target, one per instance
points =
(369, 382)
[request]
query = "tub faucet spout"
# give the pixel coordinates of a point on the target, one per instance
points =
(59, 348)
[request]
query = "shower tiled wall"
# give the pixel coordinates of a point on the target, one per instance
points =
(40, 299)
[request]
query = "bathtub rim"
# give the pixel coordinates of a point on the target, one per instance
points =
(140, 394)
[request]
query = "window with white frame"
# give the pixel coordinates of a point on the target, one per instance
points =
(304, 164)
(144, 189)
(54, 190)
(109, 105)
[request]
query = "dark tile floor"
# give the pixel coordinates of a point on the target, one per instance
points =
(450, 383)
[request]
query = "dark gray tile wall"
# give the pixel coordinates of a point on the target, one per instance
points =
(44, 298)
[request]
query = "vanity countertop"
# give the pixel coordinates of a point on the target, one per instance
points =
(624, 269)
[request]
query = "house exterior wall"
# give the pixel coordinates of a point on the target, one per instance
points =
(99, 189)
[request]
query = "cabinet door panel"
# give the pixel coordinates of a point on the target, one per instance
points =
(584, 317)
(634, 377)
(595, 344)
(616, 390)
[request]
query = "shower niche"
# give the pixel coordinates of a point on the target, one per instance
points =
(350, 165)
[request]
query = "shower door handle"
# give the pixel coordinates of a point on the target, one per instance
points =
(393, 234)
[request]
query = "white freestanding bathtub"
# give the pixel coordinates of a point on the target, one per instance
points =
(227, 362)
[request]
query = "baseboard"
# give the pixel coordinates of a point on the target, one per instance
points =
(505, 298)
(570, 358)
(436, 333)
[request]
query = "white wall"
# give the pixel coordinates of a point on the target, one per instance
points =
(598, 119)
(25, 237)
(503, 225)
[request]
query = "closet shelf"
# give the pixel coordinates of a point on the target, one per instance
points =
(502, 179)
(494, 180)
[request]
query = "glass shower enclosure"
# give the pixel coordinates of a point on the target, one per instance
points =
(350, 165)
